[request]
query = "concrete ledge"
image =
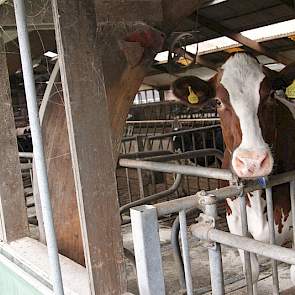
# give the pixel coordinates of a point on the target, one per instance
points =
(31, 256)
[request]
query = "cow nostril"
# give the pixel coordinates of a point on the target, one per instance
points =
(240, 161)
(264, 160)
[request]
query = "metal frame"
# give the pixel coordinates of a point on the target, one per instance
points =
(205, 228)
(41, 171)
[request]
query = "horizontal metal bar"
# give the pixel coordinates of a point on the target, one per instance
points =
(154, 197)
(205, 232)
(25, 155)
(185, 131)
(172, 121)
(195, 201)
(199, 171)
(198, 201)
(170, 134)
(250, 186)
(26, 166)
(188, 155)
(145, 154)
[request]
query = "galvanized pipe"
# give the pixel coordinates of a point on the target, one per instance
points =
(292, 196)
(147, 250)
(185, 253)
(154, 197)
(247, 259)
(195, 201)
(271, 227)
(26, 155)
(39, 157)
(216, 173)
(188, 155)
(205, 232)
(185, 131)
(215, 257)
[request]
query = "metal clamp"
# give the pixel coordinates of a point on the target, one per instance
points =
(208, 222)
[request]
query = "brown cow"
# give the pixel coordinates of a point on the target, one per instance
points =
(259, 133)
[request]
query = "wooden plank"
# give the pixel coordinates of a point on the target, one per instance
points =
(90, 142)
(14, 224)
(61, 181)
(250, 44)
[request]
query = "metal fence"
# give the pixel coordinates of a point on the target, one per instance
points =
(157, 139)
(144, 221)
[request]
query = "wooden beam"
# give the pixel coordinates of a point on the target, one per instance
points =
(90, 142)
(174, 11)
(13, 214)
(38, 12)
(238, 37)
(100, 78)
(149, 11)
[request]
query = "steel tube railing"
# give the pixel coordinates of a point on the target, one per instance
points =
(26, 155)
(154, 197)
(185, 131)
(214, 252)
(207, 233)
(216, 173)
(271, 227)
(185, 253)
(195, 201)
(39, 158)
(245, 233)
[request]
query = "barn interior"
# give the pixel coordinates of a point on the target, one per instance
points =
(103, 72)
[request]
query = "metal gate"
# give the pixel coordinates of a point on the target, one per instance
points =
(144, 221)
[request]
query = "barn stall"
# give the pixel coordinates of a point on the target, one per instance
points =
(90, 98)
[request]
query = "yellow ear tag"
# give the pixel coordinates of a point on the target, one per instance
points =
(193, 97)
(290, 91)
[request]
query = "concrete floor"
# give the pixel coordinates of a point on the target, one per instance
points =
(234, 279)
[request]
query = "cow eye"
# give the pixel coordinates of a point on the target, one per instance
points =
(218, 102)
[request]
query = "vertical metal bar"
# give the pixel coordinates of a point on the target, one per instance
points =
(215, 259)
(147, 250)
(292, 196)
(185, 253)
(139, 148)
(39, 157)
(248, 269)
(128, 184)
(271, 227)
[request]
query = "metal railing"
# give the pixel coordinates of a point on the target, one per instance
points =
(144, 220)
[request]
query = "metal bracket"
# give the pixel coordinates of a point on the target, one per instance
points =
(208, 221)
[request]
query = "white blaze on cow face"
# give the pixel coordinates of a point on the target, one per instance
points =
(242, 77)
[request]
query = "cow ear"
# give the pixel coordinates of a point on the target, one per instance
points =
(193, 91)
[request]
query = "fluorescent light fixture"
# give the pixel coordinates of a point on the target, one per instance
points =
(50, 54)
(270, 32)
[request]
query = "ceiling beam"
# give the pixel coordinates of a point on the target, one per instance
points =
(290, 3)
(238, 37)
(38, 12)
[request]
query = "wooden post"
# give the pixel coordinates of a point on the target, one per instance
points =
(80, 48)
(13, 214)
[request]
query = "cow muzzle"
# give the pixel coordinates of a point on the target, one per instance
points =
(252, 164)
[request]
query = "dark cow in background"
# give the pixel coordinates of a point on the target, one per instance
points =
(197, 141)
(259, 134)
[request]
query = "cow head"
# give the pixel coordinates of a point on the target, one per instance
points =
(240, 89)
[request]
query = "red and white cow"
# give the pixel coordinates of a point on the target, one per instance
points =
(259, 133)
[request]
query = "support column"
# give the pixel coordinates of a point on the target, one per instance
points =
(13, 214)
(99, 83)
